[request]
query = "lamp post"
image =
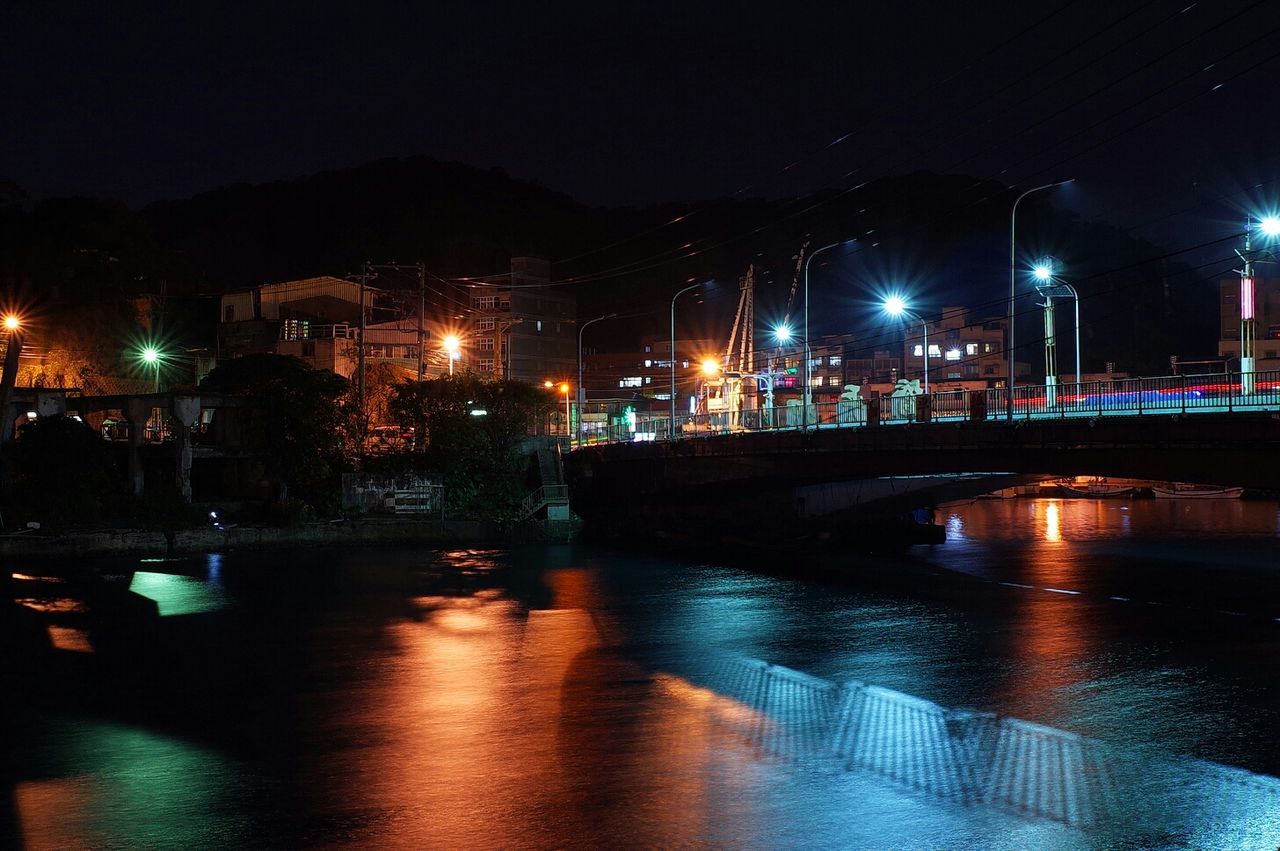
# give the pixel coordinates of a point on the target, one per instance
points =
(807, 396)
(453, 346)
(151, 357)
(13, 349)
(1013, 282)
(897, 306)
(671, 424)
(582, 396)
(1050, 287)
(568, 418)
(1270, 226)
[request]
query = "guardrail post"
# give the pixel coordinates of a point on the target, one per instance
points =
(1182, 391)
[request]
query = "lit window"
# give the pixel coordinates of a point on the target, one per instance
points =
(935, 351)
(485, 324)
(538, 325)
(817, 381)
(485, 302)
(648, 363)
(648, 379)
(484, 344)
(648, 349)
(632, 381)
(988, 347)
(918, 351)
(834, 360)
(953, 354)
(970, 348)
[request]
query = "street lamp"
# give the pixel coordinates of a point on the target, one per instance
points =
(582, 396)
(671, 424)
(453, 346)
(151, 357)
(568, 418)
(12, 322)
(1050, 286)
(808, 390)
(1270, 227)
(896, 305)
(1013, 282)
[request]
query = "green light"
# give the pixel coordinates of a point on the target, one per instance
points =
(150, 354)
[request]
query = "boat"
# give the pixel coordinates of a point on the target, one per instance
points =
(1095, 488)
(1184, 490)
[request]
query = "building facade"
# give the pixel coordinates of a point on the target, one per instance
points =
(525, 330)
(960, 349)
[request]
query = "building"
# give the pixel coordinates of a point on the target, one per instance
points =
(318, 321)
(960, 350)
(1266, 323)
(645, 368)
(525, 329)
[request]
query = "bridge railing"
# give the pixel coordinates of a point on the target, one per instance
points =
(1172, 394)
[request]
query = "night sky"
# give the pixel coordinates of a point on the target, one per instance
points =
(1158, 108)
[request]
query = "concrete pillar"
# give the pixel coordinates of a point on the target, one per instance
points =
(136, 411)
(185, 411)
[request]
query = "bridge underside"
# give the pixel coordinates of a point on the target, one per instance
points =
(745, 483)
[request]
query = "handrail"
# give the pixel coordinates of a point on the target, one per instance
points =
(1133, 397)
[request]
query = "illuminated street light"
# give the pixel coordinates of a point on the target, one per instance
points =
(12, 322)
(152, 357)
(782, 334)
(1269, 227)
(1013, 287)
(452, 345)
(896, 305)
(568, 418)
(1050, 286)
(710, 367)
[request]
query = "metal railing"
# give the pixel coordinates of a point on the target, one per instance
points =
(1173, 394)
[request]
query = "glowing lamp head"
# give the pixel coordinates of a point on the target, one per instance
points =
(1042, 271)
(710, 366)
(895, 305)
(451, 345)
(564, 387)
(548, 384)
(1270, 226)
(12, 322)
(150, 355)
(782, 333)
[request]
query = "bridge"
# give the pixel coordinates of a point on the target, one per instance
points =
(860, 459)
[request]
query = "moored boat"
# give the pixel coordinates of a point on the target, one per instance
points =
(1095, 488)
(1184, 490)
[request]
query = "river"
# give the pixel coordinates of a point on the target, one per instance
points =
(1059, 674)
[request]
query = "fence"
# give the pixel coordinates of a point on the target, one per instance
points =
(1174, 394)
(978, 758)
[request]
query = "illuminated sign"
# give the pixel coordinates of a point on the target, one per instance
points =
(1246, 298)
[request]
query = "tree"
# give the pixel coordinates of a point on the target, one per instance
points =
(63, 472)
(298, 414)
(474, 454)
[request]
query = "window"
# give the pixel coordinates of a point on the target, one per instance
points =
(648, 363)
(817, 381)
(988, 347)
(229, 313)
(648, 349)
(990, 370)
(537, 326)
(485, 365)
(504, 304)
(953, 375)
(484, 344)
(918, 351)
(953, 354)
(484, 302)
(633, 381)
(648, 379)
(935, 351)
(834, 360)
(485, 324)
(971, 349)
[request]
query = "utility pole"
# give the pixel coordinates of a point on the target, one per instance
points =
(422, 319)
(363, 277)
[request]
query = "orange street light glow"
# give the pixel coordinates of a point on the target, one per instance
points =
(710, 367)
(564, 388)
(451, 344)
(12, 322)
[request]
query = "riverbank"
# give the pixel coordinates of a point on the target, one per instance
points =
(202, 540)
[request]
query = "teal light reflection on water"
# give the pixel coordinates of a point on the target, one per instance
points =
(178, 595)
(111, 785)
